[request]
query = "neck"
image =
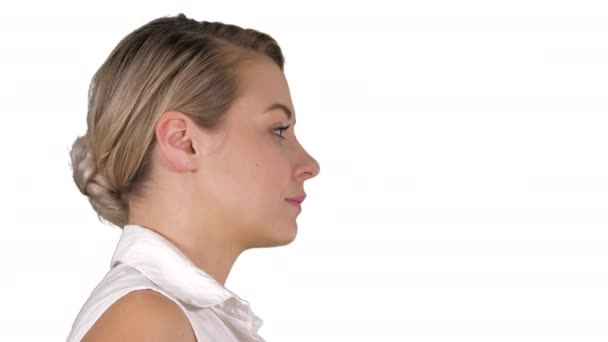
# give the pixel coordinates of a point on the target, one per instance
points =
(213, 253)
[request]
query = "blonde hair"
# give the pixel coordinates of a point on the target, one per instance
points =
(171, 63)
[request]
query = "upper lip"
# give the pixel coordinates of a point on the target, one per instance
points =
(298, 199)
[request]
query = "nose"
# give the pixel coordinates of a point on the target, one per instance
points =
(308, 167)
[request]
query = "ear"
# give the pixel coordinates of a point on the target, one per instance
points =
(174, 138)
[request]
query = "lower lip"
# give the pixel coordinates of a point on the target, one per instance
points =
(296, 204)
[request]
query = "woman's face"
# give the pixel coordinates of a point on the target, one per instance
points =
(253, 166)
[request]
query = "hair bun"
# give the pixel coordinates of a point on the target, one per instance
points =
(106, 201)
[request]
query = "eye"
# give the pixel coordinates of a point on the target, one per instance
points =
(281, 129)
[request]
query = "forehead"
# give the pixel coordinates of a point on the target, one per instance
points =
(263, 83)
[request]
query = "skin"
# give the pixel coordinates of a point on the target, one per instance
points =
(142, 315)
(217, 194)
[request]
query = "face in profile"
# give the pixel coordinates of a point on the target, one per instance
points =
(256, 163)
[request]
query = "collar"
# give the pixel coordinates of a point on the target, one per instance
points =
(165, 265)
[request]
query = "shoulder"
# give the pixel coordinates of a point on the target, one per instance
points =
(142, 315)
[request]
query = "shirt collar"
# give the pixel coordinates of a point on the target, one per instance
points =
(165, 265)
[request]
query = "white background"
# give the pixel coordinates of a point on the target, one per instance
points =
(463, 193)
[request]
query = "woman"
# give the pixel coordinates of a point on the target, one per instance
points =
(190, 149)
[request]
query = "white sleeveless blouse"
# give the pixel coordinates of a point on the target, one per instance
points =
(144, 259)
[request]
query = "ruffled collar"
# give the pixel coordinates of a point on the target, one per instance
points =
(165, 265)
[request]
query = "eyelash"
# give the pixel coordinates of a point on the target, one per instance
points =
(283, 128)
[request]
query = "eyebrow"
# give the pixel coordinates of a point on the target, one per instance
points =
(282, 107)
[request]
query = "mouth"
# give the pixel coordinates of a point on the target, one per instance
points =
(295, 204)
(296, 201)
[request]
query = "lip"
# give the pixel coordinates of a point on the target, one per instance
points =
(295, 204)
(296, 199)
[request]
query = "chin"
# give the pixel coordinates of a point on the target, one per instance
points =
(288, 240)
(280, 237)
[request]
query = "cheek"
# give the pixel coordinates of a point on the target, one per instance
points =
(266, 163)
(253, 175)
(266, 176)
